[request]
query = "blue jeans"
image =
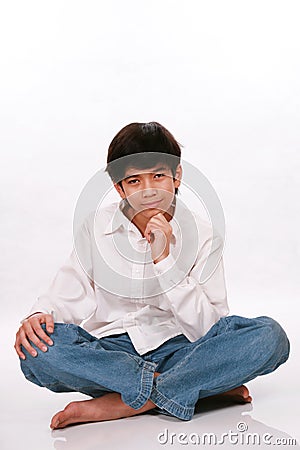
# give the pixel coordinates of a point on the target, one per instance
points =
(234, 351)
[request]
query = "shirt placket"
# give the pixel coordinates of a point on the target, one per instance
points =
(137, 284)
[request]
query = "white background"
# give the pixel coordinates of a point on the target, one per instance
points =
(222, 76)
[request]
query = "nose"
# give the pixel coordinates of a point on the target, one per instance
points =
(148, 189)
(149, 193)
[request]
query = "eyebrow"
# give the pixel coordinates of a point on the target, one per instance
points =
(159, 169)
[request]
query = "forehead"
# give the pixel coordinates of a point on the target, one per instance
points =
(134, 171)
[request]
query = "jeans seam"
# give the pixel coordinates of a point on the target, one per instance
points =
(228, 324)
(181, 412)
(146, 384)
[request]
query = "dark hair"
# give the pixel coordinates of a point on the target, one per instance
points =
(148, 142)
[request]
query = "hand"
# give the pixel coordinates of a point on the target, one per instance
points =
(31, 330)
(158, 233)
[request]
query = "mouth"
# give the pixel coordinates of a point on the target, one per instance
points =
(152, 205)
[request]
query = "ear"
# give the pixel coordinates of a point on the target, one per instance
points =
(119, 190)
(178, 176)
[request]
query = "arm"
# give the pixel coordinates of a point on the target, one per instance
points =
(196, 305)
(71, 296)
(69, 299)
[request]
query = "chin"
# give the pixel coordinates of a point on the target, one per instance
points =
(151, 210)
(158, 208)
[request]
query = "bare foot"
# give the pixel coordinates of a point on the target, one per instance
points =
(107, 407)
(239, 394)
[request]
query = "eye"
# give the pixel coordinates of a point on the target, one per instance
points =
(160, 175)
(132, 181)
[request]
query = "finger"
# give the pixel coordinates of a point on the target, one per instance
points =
(30, 333)
(147, 232)
(25, 343)
(38, 330)
(150, 237)
(160, 218)
(155, 219)
(150, 233)
(49, 323)
(156, 225)
(18, 348)
(159, 227)
(153, 223)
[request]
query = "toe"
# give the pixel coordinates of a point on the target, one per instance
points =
(55, 421)
(69, 415)
(59, 419)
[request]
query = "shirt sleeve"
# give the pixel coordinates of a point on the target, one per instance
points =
(195, 304)
(71, 296)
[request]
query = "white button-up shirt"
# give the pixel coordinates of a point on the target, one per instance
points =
(110, 285)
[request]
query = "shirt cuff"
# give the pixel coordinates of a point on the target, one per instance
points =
(168, 273)
(164, 265)
(32, 314)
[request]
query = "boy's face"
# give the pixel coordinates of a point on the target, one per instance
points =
(150, 191)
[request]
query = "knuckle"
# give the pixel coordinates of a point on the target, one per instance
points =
(32, 337)
(27, 346)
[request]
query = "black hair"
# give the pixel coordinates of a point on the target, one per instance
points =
(145, 145)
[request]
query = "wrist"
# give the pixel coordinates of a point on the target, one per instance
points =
(161, 257)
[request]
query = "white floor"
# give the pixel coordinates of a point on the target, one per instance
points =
(27, 409)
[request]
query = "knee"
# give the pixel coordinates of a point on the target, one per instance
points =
(34, 364)
(32, 367)
(35, 368)
(275, 339)
(43, 359)
(63, 338)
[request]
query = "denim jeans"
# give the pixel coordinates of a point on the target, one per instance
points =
(234, 351)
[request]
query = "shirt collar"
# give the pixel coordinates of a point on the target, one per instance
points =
(120, 222)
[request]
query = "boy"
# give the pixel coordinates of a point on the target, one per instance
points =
(127, 320)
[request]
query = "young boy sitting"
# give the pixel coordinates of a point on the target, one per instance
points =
(127, 320)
